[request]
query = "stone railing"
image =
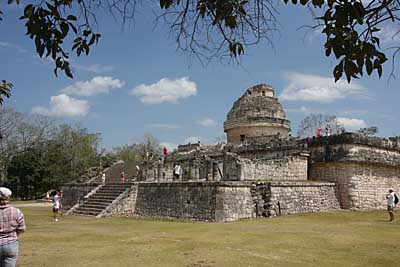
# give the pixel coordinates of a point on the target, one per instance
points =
(123, 205)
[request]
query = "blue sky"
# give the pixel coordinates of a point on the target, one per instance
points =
(135, 82)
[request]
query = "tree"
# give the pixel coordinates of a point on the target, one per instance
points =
(147, 148)
(215, 28)
(310, 124)
(28, 174)
(128, 153)
(369, 131)
(19, 133)
(36, 154)
(5, 90)
(70, 151)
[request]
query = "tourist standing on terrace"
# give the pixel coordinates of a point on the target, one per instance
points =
(177, 171)
(103, 178)
(122, 177)
(390, 204)
(12, 224)
(165, 151)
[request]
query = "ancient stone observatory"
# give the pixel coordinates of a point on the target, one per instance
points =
(256, 113)
(260, 172)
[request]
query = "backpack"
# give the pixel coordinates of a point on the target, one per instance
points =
(396, 199)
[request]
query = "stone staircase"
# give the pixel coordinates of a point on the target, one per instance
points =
(101, 199)
(113, 172)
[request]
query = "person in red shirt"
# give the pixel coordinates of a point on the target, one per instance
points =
(319, 134)
(165, 151)
(122, 176)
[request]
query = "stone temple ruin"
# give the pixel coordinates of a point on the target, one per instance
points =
(261, 172)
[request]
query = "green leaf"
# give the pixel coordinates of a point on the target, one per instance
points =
(368, 65)
(64, 28)
(92, 39)
(68, 72)
(379, 69)
(86, 33)
(71, 17)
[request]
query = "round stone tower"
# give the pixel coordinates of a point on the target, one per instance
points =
(256, 113)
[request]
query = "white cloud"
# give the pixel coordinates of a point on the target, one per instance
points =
(64, 106)
(352, 124)
(207, 122)
(301, 109)
(163, 125)
(97, 85)
(170, 146)
(305, 87)
(192, 139)
(355, 112)
(95, 68)
(165, 90)
(13, 46)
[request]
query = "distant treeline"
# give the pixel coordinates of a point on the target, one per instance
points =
(37, 154)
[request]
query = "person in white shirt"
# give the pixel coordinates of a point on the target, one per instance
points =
(57, 205)
(177, 171)
(390, 204)
(103, 178)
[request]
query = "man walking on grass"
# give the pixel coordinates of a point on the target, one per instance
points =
(12, 224)
(57, 204)
(390, 203)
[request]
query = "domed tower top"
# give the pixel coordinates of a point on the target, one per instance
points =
(256, 113)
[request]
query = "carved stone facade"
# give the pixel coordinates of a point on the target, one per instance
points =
(363, 168)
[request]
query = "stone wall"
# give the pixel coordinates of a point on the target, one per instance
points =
(301, 197)
(359, 185)
(287, 168)
(291, 168)
(236, 134)
(73, 193)
(233, 202)
(124, 205)
(350, 147)
(205, 201)
(193, 201)
(225, 201)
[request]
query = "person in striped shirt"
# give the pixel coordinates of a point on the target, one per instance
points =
(11, 225)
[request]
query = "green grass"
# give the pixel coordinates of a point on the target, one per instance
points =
(324, 239)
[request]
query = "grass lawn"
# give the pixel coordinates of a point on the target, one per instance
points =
(325, 239)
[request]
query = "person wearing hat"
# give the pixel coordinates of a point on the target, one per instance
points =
(12, 224)
(390, 204)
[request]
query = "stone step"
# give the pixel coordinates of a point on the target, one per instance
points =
(114, 189)
(86, 213)
(101, 194)
(84, 209)
(118, 184)
(111, 190)
(96, 203)
(104, 198)
(97, 206)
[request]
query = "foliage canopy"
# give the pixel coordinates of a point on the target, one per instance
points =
(215, 28)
